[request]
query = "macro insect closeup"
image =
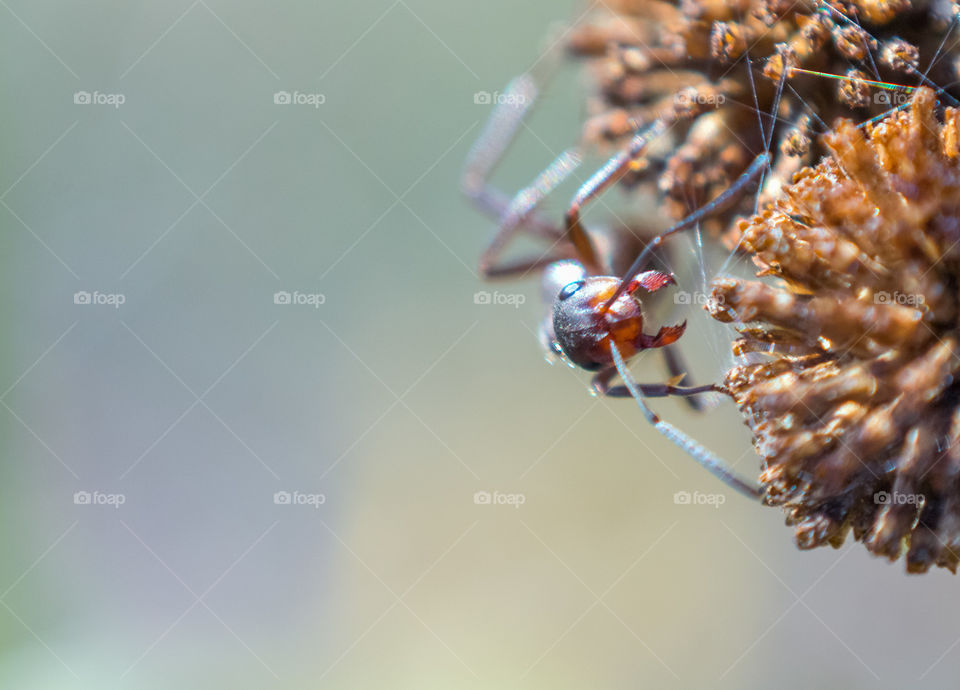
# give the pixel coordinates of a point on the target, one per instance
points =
(818, 141)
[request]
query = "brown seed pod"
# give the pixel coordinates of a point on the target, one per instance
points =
(648, 59)
(848, 369)
(847, 364)
(853, 91)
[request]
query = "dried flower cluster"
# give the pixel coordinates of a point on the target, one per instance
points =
(848, 365)
(848, 351)
(688, 61)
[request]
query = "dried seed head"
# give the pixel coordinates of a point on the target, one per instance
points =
(882, 11)
(642, 53)
(852, 42)
(784, 59)
(853, 91)
(728, 41)
(797, 141)
(899, 55)
(854, 403)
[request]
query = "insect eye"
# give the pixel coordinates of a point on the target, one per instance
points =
(570, 289)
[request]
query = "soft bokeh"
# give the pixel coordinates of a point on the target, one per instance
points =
(393, 402)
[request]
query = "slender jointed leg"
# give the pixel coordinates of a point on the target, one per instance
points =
(497, 135)
(518, 213)
(710, 461)
(675, 364)
(521, 208)
(490, 147)
(611, 172)
(501, 128)
(723, 202)
(521, 267)
(601, 386)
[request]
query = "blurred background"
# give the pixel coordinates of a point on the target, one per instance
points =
(253, 409)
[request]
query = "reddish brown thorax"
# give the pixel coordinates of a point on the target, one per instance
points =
(584, 328)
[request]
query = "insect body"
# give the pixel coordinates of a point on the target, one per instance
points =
(585, 330)
(596, 321)
(662, 75)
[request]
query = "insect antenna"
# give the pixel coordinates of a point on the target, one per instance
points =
(718, 205)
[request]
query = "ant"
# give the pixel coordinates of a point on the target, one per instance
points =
(597, 318)
(564, 262)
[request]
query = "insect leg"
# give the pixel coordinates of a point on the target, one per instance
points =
(611, 172)
(497, 135)
(706, 458)
(676, 365)
(520, 209)
(600, 384)
(518, 213)
(730, 196)
(489, 149)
